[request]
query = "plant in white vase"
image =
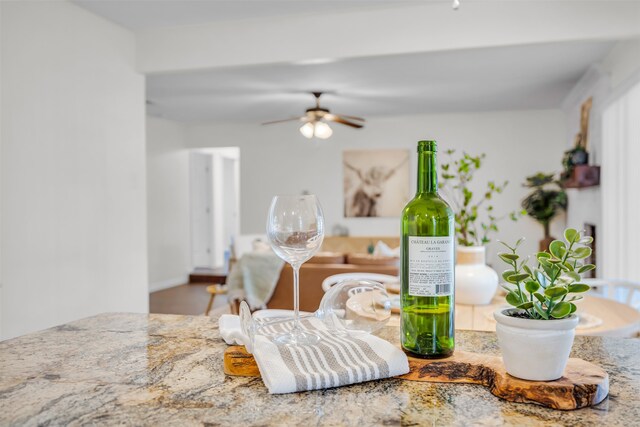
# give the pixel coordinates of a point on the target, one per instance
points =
(536, 335)
(476, 283)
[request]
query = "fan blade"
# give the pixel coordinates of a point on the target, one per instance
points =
(300, 119)
(360, 119)
(338, 119)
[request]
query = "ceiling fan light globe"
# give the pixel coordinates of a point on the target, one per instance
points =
(307, 129)
(323, 130)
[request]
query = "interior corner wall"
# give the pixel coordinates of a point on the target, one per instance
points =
(598, 83)
(623, 61)
(278, 159)
(167, 204)
(73, 168)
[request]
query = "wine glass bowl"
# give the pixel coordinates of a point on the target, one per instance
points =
(295, 230)
(296, 247)
(355, 305)
(349, 306)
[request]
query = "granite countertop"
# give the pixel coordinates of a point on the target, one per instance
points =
(163, 369)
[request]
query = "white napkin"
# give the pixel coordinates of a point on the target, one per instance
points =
(229, 325)
(339, 358)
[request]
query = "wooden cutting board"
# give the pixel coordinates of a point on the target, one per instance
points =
(583, 384)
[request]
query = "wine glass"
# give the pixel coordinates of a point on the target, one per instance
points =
(349, 306)
(295, 229)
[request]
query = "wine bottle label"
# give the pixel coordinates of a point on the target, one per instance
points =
(430, 266)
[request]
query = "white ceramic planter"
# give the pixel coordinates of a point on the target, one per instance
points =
(476, 283)
(535, 350)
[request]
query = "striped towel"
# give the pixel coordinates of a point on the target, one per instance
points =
(339, 358)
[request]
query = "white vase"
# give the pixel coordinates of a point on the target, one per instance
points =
(476, 283)
(536, 350)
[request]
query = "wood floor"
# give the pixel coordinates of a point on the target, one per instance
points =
(183, 299)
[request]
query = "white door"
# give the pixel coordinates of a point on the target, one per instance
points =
(229, 199)
(201, 200)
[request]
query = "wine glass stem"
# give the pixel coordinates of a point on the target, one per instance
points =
(296, 299)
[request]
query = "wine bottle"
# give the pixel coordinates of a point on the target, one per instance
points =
(427, 265)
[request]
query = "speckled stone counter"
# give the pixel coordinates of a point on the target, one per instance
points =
(135, 369)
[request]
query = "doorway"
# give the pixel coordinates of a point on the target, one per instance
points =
(214, 203)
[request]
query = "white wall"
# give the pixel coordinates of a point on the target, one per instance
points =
(623, 61)
(584, 204)
(599, 82)
(73, 168)
(278, 159)
(167, 204)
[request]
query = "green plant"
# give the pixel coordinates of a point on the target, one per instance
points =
(546, 201)
(575, 156)
(542, 292)
(455, 179)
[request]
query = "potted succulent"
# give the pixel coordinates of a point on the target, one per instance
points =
(536, 335)
(476, 283)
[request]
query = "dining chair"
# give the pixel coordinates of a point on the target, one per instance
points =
(621, 290)
(376, 277)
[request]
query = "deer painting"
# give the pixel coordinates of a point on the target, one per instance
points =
(362, 198)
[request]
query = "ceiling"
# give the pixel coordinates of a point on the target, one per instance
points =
(151, 14)
(483, 79)
(505, 78)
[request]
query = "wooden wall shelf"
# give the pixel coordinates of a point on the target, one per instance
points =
(583, 176)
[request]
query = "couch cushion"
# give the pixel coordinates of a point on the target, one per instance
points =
(356, 244)
(327, 258)
(311, 278)
(366, 259)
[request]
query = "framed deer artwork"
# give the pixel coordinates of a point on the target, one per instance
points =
(376, 182)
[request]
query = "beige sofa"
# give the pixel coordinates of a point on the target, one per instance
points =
(338, 255)
(311, 278)
(356, 244)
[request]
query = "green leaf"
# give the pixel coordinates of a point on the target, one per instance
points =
(531, 286)
(515, 278)
(538, 308)
(558, 248)
(578, 287)
(582, 252)
(543, 255)
(571, 235)
(539, 297)
(586, 240)
(528, 270)
(551, 270)
(507, 273)
(569, 266)
(555, 292)
(506, 288)
(576, 298)
(585, 268)
(513, 299)
(541, 278)
(503, 243)
(573, 308)
(526, 305)
(508, 257)
(544, 262)
(560, 310)
(575, 276)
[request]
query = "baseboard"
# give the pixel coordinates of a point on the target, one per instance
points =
(169, 283)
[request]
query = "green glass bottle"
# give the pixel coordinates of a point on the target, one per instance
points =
(427, 265)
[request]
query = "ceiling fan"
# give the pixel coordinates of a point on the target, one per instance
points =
(315, 120)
